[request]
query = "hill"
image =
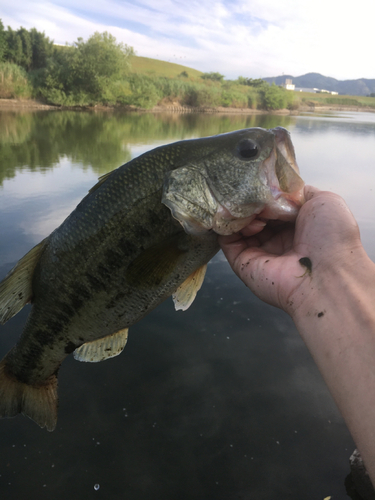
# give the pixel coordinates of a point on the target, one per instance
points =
(362, 86)
(155, 67)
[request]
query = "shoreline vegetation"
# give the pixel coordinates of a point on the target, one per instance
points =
(101, 74)
(35, 105)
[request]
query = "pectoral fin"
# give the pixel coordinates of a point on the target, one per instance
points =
(104, 348)
(185, 294)
(15, 289)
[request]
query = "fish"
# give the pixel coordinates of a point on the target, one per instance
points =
(144, 232)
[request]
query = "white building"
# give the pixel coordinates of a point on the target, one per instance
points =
(288, 85)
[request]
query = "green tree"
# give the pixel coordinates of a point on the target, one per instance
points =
(88, 71)
(216, 77)
(97, 62)
(251, 82)
(273, 97)
(3, 43)
(27, 51)
(14, 53)
(42, 49)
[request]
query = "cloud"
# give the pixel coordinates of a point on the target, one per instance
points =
(250, 38)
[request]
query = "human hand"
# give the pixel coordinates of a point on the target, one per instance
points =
(269, 261)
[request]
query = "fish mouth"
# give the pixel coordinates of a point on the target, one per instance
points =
(284, 196)
(281, 174)
(270, 189)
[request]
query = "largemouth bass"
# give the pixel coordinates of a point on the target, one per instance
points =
(144, 232)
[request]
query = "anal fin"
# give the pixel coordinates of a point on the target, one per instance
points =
(101, 349)
(16, 289)
(185, 294)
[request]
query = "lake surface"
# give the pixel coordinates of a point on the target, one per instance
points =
(220, 402)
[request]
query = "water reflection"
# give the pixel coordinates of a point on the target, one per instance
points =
(220, 402)
(102, 141)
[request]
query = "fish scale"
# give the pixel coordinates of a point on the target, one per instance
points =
(144, 231)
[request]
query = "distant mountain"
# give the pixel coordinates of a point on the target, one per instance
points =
(362, 86)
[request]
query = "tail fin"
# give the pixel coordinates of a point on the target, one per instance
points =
(38, 402)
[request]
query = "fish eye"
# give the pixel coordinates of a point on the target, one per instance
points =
(247, 149)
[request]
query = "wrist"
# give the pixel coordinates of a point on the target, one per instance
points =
(344, 284)
(336, 319)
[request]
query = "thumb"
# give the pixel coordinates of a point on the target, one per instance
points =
(310, 192)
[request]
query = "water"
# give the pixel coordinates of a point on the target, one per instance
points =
(220, 402)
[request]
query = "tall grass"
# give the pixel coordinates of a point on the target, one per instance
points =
(146, 92)
(337, 100)
(14, 82)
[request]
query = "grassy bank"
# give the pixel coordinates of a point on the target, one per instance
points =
(156, 67)
(302, 99)
(100, 72)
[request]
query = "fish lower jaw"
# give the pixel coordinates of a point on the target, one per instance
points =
(283, 207)
(224, 223)
(225, 227)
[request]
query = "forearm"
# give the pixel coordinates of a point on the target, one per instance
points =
(337, 322)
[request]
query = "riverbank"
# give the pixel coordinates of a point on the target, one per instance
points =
(30, 104)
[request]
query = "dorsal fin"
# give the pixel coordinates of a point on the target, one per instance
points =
(16, 289)
(101, 349)
(101, 181)
(185, 294)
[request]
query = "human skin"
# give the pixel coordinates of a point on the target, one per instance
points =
(331, 301)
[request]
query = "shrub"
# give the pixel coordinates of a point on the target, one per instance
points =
(202, 96)
(144, 93)
(233, 99)
(13, 82)
(274, 97)
(214, 76)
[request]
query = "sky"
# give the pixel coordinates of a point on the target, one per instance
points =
(250, 38)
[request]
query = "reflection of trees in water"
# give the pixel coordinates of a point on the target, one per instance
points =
(100, 140)
(322, 124)
(37, 141)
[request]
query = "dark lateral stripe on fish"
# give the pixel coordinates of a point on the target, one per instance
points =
(113, 302)
(66, 309)
(142, 234)
(113, 259)
(31, 359)
(103, 271)
(76, 300)
(97, 284)
(83, 291)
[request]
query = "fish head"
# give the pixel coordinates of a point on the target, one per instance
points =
(240, 176)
